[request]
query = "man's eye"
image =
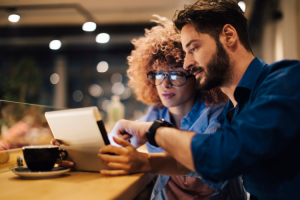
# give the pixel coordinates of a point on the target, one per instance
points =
(194, 49)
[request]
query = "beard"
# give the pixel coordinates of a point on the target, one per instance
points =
(218, 70)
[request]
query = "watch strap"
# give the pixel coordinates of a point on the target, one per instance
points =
(150, 135)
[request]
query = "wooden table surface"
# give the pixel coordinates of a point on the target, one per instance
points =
(73, 185)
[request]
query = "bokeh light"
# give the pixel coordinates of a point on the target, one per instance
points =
(102, 67)
(117, 88)
(116, 78)
(55, 44)
(102, 38)
(14, 18)
(126, 94)
(89, 26)
(95, 90)
(242, 5)
(77, 96)
(54, 78)
(105, 104)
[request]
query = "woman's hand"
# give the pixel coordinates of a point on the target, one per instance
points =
(62, 163)
(128, 160)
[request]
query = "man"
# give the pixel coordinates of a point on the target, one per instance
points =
(260, 136)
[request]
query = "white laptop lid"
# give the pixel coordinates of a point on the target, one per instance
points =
(79, 132)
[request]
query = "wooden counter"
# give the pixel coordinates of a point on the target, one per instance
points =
(73, 185)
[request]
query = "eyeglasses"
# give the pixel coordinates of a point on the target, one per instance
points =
(175, 78)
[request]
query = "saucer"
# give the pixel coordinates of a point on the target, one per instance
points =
(26, 173)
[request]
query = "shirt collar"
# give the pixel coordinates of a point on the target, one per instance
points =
(243, 89)
(194, 112)
(245, 85)
(252, 73)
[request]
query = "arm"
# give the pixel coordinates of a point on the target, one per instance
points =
(129, 160)
(165, 164)
(170, 139)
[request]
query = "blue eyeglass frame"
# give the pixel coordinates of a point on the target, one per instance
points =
(168, 77)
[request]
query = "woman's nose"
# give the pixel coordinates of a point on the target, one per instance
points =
(166, 82)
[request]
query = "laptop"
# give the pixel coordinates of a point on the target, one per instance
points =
(82, 133)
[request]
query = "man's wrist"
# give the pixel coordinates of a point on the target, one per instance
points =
(147, 127)
(158, 135)
(150, 135)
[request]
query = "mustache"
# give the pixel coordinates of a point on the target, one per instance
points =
(196, 69)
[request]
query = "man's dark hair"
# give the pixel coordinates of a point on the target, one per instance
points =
(210, 16)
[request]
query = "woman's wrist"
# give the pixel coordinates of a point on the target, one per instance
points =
(146, 167)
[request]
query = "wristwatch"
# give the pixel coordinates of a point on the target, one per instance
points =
(150, 135)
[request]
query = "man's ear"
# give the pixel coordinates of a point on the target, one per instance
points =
(229, 36)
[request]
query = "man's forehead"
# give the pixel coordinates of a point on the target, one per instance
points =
(188, 27)
(188, 34)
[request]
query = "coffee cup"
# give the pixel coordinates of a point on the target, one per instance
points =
(43, 157)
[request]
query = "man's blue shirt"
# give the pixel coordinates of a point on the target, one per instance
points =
(262, 141)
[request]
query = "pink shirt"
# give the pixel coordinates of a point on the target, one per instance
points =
(187, 188)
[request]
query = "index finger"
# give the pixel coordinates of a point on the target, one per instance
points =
(120, 129)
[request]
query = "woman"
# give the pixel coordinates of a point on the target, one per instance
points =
(158, 79)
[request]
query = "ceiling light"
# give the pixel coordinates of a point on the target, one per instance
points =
(242, 5)
(89, 26)
(102, 38)
(55, 44)
(13, 18)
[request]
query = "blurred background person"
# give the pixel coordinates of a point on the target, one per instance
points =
(22, 125)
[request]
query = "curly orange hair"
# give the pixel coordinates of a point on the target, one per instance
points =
(158, 49)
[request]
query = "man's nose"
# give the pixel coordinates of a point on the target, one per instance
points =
(188, 62)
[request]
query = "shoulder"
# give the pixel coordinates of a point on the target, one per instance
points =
(154, 113)
(284, 66)
(280, 78)
(280, 68)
